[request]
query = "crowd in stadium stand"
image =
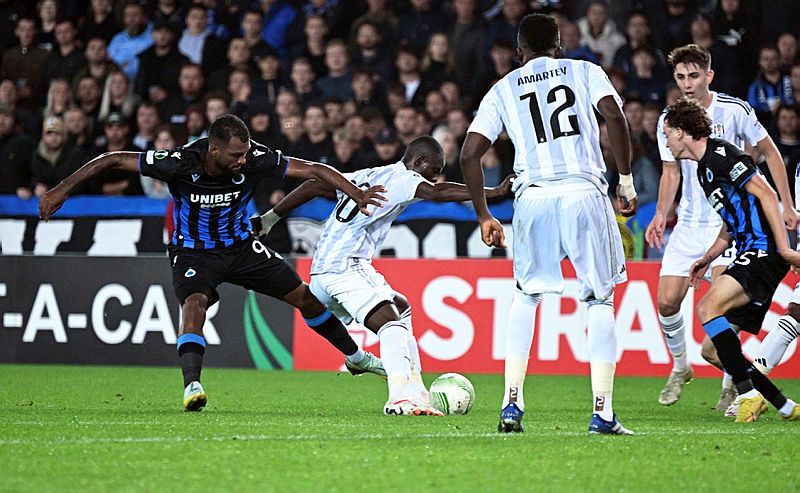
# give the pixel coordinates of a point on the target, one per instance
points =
(349, 82)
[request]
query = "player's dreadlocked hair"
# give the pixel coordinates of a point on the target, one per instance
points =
(691, 55)
(539, 33)
(227, 126)
(688, 115)
(423, 146)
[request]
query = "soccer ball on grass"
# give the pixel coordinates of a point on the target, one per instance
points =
(452, 393)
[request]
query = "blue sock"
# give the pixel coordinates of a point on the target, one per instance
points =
(729, 350)
(191, 348)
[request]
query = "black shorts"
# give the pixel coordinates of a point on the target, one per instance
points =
(249, 264)
(759, 273)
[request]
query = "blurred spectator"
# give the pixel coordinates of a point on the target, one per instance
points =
(395, 97)
(251, 25)
(302, 76)
(99, 22)
(502, 61)
(170, 13)
(118, 97)
(125, 46)
(292, 132)
(286, 104)
(423, 124)
(25, 63)
(355, 125)
(405, 121)
(670, 21)
(15, 156)
(648, 139)
(153, 188)
(505, 26)
(98, 65)
(600, 33)
(196, 123)
(87, 97)
(316, 143)
(116, 182)
(159, 65)
(59, 98)
(54, 159)
(451, 93)
(634, 113)
(416, 26)
(78, 131)
(787, 122)
(437, 63)
(336, 84)
(771, 86)
(787, 47)
(642, 81)
(794, 79)
(449, 142)
(364, 90)
(47, 11)
(436, 107)
(673, 93)
(30, 122)
(277, 16)
(370, 52)
(147, 123)
(10, 12)
(408, 73)
(618, 79)
(645, 176)
(216, 105)
(733, 24)
(466, 39)
(458, 120)
(66, 60)
(726, 69)
(173, 109)
(495, 169)
(347, 157)
(269, 81)
(374, 122)
(338, 15)
(380, 13)
(198, 43)
(639, 34)
(312, 46)
(263, 125)
(334, 113)
(388, 149)
(238, 58)
(572, 46)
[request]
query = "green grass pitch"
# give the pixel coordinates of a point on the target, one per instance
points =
(73, 428)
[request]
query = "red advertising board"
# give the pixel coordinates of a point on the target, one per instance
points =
(460, 307)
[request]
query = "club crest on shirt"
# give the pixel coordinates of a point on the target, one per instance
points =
(238, 180)
(709, 175)
(718, 131)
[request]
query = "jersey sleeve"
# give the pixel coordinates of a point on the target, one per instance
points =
(753, 131)
(599, 85)
(162, 164)
(267, 160)
(406, 187)
(739, 171)
(488, 121)
(663, 150)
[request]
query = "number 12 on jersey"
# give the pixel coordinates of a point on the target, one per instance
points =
(560, 92)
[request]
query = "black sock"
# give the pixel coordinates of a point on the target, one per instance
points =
(767, 388)
(191, 355)
(332, 329)
(729, 350)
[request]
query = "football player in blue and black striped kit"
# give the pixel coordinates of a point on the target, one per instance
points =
(749, 210)
(212, 180)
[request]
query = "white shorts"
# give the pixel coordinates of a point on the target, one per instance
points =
(352, 294)
(573, 220)
(685, 245)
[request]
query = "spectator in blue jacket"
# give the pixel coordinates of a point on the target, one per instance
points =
(771, 87)
(126, 46)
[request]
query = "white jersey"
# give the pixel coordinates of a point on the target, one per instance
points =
(349, 233)
(547, 107)
(731, 119)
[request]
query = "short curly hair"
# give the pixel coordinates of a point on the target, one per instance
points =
(688, 115)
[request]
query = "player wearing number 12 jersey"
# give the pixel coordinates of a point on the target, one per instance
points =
(561, 208)
(212, 180)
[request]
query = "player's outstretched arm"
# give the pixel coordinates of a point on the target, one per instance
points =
(456, 192)
(300, 168)
(475, 146)
(54, 198)
(306, 192)
(667, 188)
(698, 269)
(620, 139)
(759, 187)
(777, 169)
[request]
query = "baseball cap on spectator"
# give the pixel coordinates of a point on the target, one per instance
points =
(386, 136)
(115, 118)
(53, 124)
(263, 51)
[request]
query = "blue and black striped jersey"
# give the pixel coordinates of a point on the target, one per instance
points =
(210, 212)
(723, 172)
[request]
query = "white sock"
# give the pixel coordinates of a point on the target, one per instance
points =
(415, 383)
(357, 356)
(394, 353)
(519, 337)
(602, 340)
(749, 394)
(773, 347)
(787, 408)
(675, 337)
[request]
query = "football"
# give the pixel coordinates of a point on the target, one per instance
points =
(452, 393)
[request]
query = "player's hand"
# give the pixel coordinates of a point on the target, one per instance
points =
(697, 271)
(50, 202)
(790, 218)
(654, 234)
(371, 196)
(504, 188)
(492, 233)
(626, 207)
